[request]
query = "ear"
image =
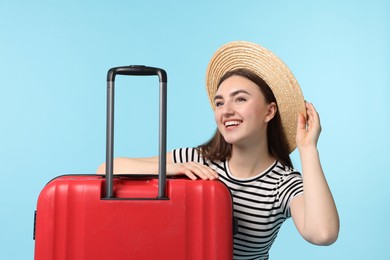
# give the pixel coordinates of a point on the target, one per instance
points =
(271, 112)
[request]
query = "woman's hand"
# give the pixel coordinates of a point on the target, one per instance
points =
(308, 129)
(193, 170)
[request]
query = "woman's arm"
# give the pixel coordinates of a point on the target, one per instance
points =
(315, 213)
(132, 166)
(150, 166)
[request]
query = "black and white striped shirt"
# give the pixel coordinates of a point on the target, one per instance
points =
(260, 204)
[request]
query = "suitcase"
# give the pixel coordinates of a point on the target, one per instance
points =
(133, 217)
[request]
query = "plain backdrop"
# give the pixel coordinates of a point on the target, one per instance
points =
(54, 56)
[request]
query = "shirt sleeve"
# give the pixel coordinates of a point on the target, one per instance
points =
(290, 187)
(183, 155)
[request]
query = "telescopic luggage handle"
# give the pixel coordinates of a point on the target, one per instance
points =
(136, 70)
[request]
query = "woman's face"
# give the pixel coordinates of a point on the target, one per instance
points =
(241, 111)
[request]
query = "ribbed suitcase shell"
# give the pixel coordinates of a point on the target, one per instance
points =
(74, 221)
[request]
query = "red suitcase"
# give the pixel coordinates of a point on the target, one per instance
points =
(105, 217)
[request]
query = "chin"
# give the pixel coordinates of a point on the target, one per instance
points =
(231, 141)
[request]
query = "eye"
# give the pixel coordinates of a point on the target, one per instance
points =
(240, 99)
(218, 103)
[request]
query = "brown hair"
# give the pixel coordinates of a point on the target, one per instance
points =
(218, 149)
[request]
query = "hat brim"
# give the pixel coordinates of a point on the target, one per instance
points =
(257, 59)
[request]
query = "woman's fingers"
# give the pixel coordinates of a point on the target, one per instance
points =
(313, 122)
(202, 171)
(195, 170)
(309, 128)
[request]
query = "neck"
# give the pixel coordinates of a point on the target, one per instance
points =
(248, 161)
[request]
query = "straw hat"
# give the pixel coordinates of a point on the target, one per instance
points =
(257, 59)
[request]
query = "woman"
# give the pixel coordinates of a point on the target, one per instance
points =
(261, 117)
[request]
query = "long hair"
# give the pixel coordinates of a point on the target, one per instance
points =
(216, 148)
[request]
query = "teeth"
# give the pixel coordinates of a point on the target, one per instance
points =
(232, 123)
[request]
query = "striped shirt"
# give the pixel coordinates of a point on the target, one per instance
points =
(260, 204)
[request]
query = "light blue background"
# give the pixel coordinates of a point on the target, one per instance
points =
(54, 56)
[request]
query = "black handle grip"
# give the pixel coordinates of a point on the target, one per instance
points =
(136, 70)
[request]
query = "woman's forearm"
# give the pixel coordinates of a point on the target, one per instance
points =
(132, 166)
(321, 221)
(149, 165)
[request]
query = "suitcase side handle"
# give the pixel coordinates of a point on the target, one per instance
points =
(136, 70)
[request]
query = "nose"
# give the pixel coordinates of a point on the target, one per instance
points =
(227, 109)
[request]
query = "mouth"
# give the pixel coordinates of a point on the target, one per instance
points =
(232, 123)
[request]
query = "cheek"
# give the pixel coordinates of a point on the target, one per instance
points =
(217, 116)
(260, 111)
(218, 120)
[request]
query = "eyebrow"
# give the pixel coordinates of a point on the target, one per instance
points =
(234, 93)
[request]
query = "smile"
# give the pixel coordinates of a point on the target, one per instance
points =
(232, 123)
